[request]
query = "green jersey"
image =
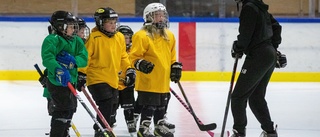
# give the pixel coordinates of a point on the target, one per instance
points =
(52, 45)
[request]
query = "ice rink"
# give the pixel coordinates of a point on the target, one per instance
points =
(295, 107)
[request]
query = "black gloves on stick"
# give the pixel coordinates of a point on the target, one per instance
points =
(281, 60)
(43, 79)
(235, 52)
(82, 80)
(176, 69)
(130, 77)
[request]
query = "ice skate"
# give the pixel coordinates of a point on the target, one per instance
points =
(236, 134)
(136, 118)
(144, 129)
(131, 126)
(270, 134)
(170, 126)
(161, 130)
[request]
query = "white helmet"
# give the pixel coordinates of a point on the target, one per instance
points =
(152, 7)
(148, 15)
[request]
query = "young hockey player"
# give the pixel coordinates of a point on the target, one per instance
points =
(259, 37)
(62, 53)
(126, 93)
(153, 54)
(106, 57)
(84, 30)
(83, 33)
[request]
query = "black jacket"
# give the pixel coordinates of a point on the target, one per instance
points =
(257, 27)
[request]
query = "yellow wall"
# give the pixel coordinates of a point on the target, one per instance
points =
(187, 76)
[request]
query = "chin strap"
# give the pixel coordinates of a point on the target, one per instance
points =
(238, 7)
(238, 1)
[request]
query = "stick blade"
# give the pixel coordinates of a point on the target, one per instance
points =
(208, 127)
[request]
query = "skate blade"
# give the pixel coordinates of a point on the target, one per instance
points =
(226, 134)
(134, 134)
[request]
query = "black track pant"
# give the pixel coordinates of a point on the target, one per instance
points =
(251, 86)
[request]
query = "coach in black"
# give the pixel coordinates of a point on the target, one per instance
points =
(259, 37)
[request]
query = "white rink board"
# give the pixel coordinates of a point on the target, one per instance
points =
(21, 42)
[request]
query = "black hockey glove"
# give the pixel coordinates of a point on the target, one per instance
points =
(281, 60)
(176, 69)
(235, 52)
(43, 79)
(82, 79)
(130, 77)
(144, 66)
(66, 60)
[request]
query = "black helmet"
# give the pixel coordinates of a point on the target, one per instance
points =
(60, 20)
(86, 30)
(82, 23)
(125, 30)
(103, 14)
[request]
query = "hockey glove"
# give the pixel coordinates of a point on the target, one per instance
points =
(63, 76)
(144, 66)
(82, 80)
(66, 60)
(130, 77)
(43, 79)
(235, 52)
(281, 60)
(176, 69)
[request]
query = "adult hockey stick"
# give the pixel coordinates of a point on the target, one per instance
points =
(202, 127)
(229, 95)
(72, 125)
(104, 121)
(74, 92)
(185, 106)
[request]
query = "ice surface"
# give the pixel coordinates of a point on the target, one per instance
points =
(295, 107)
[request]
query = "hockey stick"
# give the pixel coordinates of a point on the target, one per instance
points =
(74, 92)
(104, 121)
(202, 127)
(72, 125)
(229, 94)
(75, 129)
(185, 106)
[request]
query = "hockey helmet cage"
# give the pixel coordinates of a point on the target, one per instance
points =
(148, 15)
